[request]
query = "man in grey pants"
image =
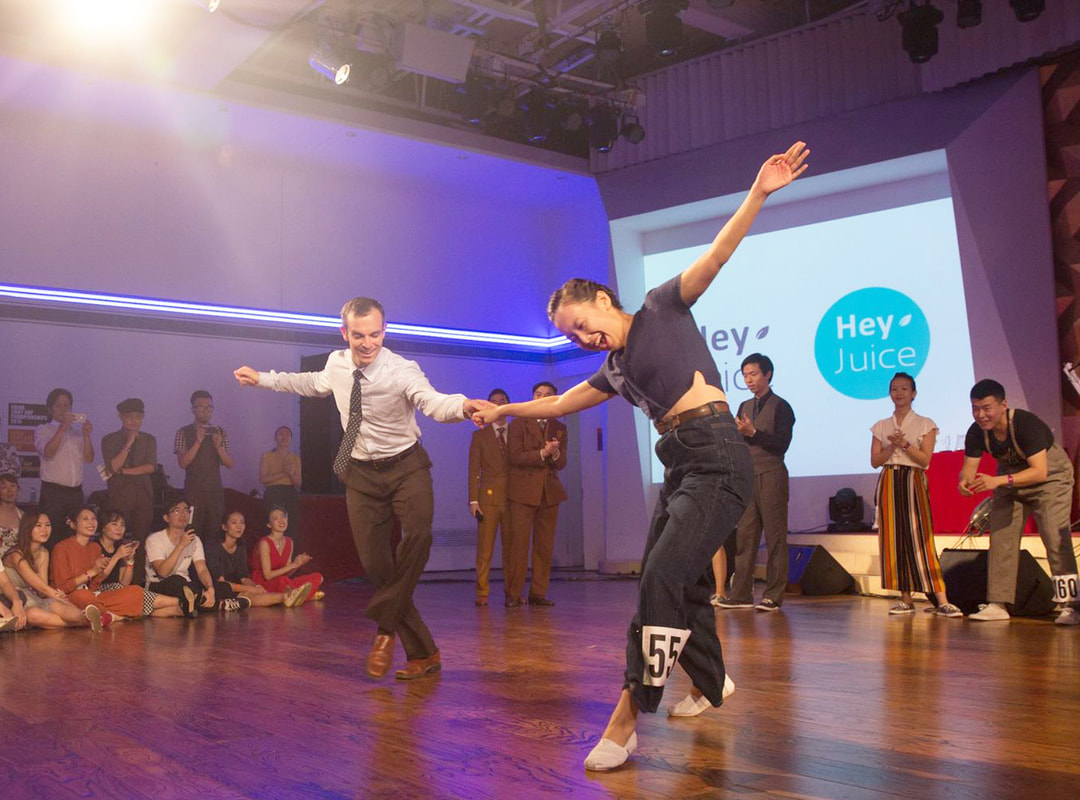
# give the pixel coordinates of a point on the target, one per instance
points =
(766, 422)
(1034, 476)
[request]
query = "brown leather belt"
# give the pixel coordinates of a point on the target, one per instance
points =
(383, 463)
(713, 409)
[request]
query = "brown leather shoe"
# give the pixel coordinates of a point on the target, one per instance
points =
(540, 601)
(419, 668)
(381, 655)
(481, 602)
(513, 602)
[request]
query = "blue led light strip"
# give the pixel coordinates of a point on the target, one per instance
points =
(155, 306)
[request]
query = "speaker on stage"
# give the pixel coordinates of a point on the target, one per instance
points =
(812, 571)
(965, 582)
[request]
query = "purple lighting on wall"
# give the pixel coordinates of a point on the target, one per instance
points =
(157, 306)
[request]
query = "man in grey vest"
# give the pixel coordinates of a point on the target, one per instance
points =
(201, 450)
(766, 422)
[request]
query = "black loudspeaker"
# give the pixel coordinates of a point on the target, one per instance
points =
(812, 571)
(320, 436)
(965, 581)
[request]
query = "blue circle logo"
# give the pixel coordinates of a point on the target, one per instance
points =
(866, 337)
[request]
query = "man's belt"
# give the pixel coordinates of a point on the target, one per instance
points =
(713, 409)
(383, 463)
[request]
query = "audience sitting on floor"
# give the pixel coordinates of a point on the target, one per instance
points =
(79, 568)
(27, 565)
(227, 561)
(171, 556)
(119, 570)
(9, 512)
(273, 563)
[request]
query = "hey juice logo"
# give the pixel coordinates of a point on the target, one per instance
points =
(868, 335)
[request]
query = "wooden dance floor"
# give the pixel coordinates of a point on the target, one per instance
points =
(835, 700)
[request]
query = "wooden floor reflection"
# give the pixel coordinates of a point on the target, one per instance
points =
(835, 700)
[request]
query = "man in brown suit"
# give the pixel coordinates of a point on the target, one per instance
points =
(537, 453)
(489, 471)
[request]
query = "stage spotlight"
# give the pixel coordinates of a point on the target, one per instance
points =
(631, 129)
(846, 512)
(603, 128)
(570, 117)
(968, 13)
(608, 46)
(476, 101)
(920, 34)
(663, 26)
(538, 114)
(330, 68)
(1027, 10)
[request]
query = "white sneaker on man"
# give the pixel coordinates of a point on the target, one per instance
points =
(1067, 616)
(990, 612)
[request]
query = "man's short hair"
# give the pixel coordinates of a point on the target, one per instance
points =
(496, 391)
(200, 394)
(988, 387)
(360, 307)
(56, 394)
(9, 477)
(173, 499)
(763, 362)
(545, 383)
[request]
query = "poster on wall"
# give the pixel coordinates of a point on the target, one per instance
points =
(21, 439)
(27, 415)
(30, 466)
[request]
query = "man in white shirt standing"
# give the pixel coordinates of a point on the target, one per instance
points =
(63, 451)
(385, 470)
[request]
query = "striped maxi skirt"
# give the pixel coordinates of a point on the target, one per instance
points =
(909, 562)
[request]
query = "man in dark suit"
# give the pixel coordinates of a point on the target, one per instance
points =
(489, 472)
(537, 453)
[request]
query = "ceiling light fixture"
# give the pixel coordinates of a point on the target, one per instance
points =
(920, 33)
(332, 69)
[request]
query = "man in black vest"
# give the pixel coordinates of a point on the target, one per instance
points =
(766, 422)
(201, 450)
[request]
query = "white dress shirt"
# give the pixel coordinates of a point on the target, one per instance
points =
(393, 389)
(65, 468)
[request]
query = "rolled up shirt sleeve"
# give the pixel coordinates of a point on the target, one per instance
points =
(305, 384)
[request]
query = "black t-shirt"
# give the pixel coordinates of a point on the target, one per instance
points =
(1032, 435)
(663, 351)
(226, 566)
(114, 576)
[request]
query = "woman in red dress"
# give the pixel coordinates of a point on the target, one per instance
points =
(273, 564)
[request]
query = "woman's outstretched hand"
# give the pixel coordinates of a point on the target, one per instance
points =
(780, 170)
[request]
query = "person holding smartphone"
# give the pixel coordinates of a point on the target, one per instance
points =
(65, 448)
(173, 553)
(202, 449)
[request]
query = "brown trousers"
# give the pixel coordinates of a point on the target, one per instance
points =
(541, 521)
(374, 497)
(496, 520)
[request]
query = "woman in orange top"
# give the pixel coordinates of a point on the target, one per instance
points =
(78, 567)
(28, 565)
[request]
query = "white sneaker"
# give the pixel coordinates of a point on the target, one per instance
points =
(608, 756)
(1068, 616)
(990, 612)
(691, 706)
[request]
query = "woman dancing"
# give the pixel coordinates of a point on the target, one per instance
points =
(658, 360)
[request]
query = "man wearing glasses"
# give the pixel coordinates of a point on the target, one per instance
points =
(201, 449)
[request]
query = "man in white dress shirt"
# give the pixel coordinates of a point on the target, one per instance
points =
(64, 452)
(385, 470)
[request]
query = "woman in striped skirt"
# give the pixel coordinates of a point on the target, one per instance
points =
(902, 446)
